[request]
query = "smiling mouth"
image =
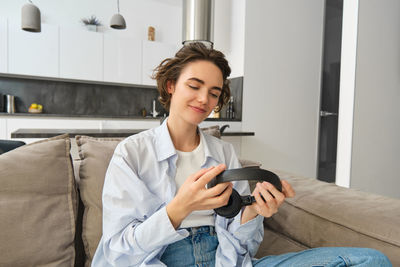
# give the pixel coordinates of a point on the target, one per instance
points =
(199, 110)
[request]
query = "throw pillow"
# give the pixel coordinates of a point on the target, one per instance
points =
(38, 205)
(95, 155)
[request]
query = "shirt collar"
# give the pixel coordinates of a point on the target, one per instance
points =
(211, 151)
(165, 148)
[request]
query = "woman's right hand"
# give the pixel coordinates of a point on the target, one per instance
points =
(193, 195)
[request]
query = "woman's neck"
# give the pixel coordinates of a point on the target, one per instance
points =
(184, 135)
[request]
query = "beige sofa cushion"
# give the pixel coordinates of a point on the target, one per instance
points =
(323, 214)
(95, 154)
(275, 243)
(38, 205)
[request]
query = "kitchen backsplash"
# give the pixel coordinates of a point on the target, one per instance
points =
(75, 98)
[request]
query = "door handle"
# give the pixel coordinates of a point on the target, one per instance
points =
(323, 113)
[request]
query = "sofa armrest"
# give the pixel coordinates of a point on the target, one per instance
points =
(323, 214)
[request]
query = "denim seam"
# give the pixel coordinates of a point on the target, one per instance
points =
(346, 260)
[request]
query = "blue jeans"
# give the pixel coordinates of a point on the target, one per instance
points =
(198, 249)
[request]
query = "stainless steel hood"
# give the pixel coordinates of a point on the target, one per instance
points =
(198, 22)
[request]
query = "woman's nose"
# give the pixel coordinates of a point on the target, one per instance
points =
(202, 96)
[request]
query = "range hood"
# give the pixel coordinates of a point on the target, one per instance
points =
(198, 22)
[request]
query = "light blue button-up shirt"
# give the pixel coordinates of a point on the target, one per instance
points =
(140, 182)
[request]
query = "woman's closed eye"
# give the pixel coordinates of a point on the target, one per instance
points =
(193, 87)
(214, 95)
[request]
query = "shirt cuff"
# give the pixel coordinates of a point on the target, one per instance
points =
(247, 230)
(157, 231)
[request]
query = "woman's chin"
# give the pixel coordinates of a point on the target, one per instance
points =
(197, 119)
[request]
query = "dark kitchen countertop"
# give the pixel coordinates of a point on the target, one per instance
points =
(46, 133)
(46, 115)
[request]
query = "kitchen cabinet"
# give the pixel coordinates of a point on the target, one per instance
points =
(76, 53)
(81, 54)
(3, 45)
(32, 53)
(122, 59)
(153, 54)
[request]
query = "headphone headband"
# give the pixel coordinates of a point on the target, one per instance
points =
(236, 202)
(246, 174)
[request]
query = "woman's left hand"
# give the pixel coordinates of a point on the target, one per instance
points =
(273, 200)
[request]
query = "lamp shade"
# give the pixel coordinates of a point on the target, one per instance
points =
(30, 18)
(118, 22)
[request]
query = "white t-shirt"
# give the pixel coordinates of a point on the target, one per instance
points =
(187, 164)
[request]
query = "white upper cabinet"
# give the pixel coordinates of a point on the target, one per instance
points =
(76, 53)
(153, 54)
(3, 45)
(81, 54)
(33, 53)
(122, 59)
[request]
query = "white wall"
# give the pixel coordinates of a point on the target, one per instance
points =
(376, 133)
(282, 70)
(229, 31)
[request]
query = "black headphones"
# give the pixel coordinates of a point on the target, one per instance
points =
(236, 201)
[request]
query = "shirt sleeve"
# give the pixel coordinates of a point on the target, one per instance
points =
(136, 226)
(238, 242)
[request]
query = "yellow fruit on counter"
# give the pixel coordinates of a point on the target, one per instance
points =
(34, 105)
(40, 107)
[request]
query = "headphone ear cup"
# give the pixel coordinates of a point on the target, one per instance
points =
(233, 207)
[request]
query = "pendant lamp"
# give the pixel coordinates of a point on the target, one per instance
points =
(30, 18)
(117, 20)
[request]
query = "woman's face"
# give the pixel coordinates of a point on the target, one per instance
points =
(196, 92)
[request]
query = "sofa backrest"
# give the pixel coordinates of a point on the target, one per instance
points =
(38, 205)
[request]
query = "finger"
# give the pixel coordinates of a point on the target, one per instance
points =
(221, 200)
(209, 175)
(270, 200)
(218, 189)
(257, 195)
(279, 197)
(195, 176)
(287, 189)
(263, 208)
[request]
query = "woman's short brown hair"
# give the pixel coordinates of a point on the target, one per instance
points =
(170, 69)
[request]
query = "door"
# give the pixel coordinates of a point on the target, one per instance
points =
(328, 126)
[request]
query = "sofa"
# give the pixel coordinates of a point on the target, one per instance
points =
(51, 212)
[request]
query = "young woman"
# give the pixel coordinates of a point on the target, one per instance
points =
(157, 210)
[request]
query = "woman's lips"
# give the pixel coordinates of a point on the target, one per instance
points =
(199, 110)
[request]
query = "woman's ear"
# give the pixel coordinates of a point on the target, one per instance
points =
(170, 87)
